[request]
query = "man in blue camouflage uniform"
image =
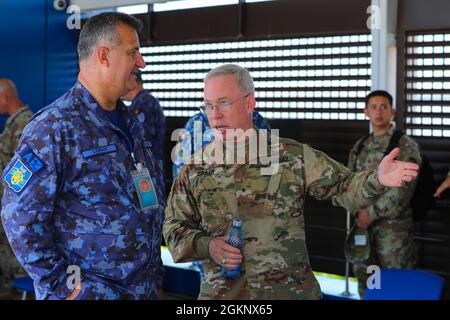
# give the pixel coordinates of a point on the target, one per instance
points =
(148, 111)
(82, 191)
(189, 145)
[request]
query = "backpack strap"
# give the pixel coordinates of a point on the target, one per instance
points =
(393, 143)
(359, 147)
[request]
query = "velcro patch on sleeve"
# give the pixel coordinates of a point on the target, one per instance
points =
(18, 176)
(31, 160)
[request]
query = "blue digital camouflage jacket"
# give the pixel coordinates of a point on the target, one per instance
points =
(150, 114)
(69, 200)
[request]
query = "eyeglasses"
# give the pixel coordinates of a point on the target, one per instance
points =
(222, 105)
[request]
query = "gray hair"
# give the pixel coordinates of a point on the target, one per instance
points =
(103, 27)
(241, 75)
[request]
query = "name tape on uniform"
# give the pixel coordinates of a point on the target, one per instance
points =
(99, 150)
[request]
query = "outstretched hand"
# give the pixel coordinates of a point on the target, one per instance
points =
(394, 173)
(444, 185)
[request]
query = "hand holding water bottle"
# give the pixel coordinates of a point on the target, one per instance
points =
(226, 251)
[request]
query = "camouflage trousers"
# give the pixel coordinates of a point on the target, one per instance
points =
(10, 268)
(392, 246)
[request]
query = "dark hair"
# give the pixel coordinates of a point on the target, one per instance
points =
(103, 27)
(379, 93)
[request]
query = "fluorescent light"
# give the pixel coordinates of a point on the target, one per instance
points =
(140, 8)
(190, 4)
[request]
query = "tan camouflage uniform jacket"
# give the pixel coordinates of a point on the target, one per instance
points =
(9, 139)
(11, 135)
(393, 204)
(205, 198)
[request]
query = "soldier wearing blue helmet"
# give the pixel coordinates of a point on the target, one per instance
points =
(83, 200)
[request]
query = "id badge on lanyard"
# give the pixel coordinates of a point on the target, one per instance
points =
(360, 240)
(143, 184)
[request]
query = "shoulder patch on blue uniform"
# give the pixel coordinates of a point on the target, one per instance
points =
(18, 176)
(31, 159)
(147, 144)
(141, 117)
(99, 150)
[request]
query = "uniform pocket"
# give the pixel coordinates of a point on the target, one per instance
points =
(213, 204)
(94, 183)
(109, 256)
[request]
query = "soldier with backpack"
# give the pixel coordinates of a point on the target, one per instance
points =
(389, 222)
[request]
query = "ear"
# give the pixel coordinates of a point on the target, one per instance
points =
(2, 98)
(392, 112)
(251, 103)
(102, 55)
(366, 112)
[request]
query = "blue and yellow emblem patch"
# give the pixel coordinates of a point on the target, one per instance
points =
(18, 176)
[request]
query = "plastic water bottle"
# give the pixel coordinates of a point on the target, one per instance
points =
(235, 238)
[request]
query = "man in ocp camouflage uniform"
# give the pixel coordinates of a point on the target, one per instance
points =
(19, 116)
(198, 125)
(269, 199)
(83, 195)
(389, 221)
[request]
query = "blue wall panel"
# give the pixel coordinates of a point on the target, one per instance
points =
(62, 58)
(22, 38)
(37, 51)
